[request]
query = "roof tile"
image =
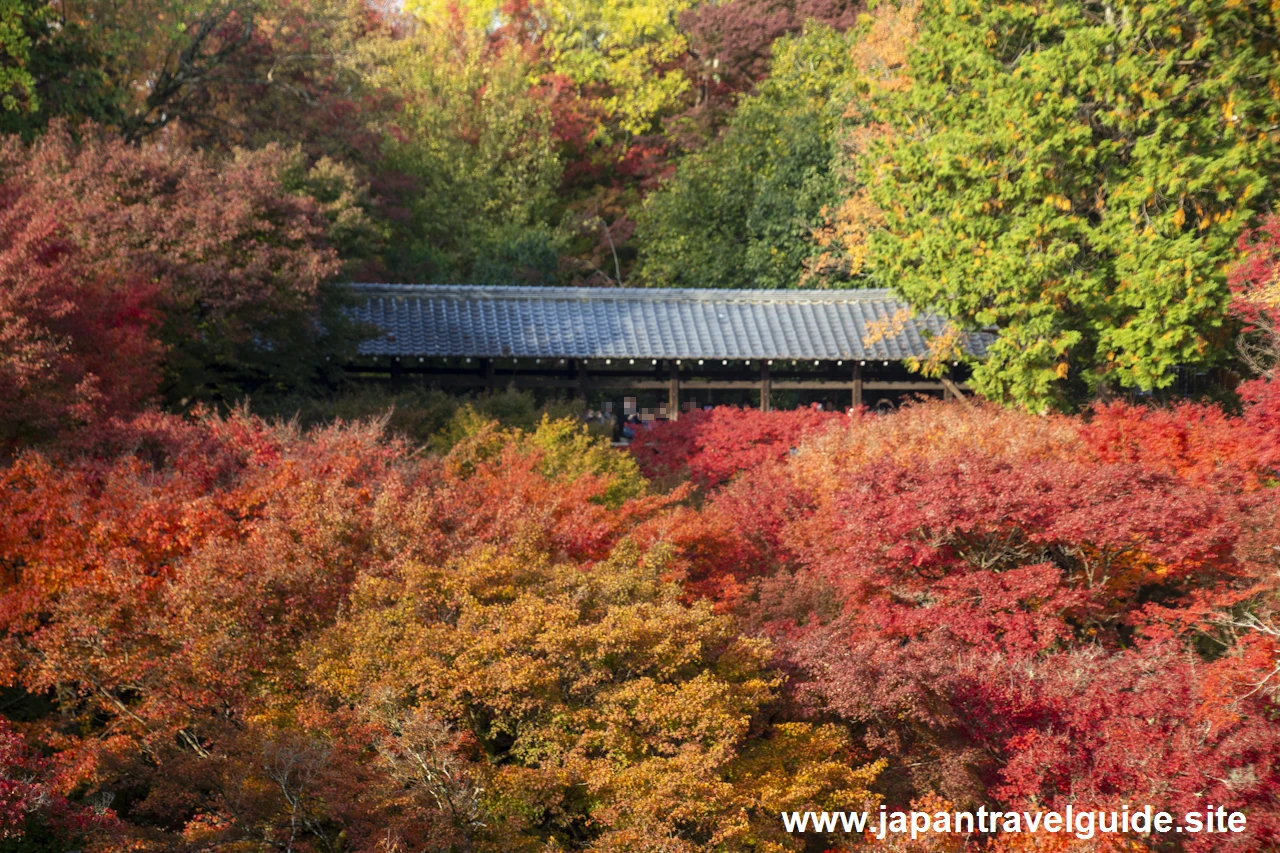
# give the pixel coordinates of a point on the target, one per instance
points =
(567, 322)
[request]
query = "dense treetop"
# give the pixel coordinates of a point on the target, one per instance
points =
(469, 626)
(1079, 175)
(224, 635)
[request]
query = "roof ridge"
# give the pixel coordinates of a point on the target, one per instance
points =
(650, 294)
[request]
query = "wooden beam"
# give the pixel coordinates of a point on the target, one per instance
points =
(722, 384)
(955, 391)
(545, 382)
(622, 383)
(811, 384)
(583, 383)
(905, 386)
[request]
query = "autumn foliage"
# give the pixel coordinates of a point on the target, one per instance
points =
(1018, 610)
(250, 632)
(223, 634)
(75, 345)
(130, 271)
(711, 446)
(219, 630)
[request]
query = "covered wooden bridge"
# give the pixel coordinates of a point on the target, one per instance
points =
(847, 344)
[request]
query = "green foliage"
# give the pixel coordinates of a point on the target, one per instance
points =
(427, 416)
(565, 449)
(49, 69)
(17, 87)
(516, 253)
(626, 50)
(1077, 174)
(70, 83)
(628, 47)
(520, 409)
(344, 198)
(465, 423)
(742, 212)
(477, 145)
(569, 452)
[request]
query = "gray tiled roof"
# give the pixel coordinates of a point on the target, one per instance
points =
(580, 322)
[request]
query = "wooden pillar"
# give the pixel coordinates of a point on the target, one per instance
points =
(766, 387)
(580, 366)
(857, 385)
(397, 375)
(673, 392)
(486, 365)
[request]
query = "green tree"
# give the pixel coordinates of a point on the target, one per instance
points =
(743, 211)
(1077, 173)
(477, 144)
(625, 52)
(48, 68)
(17, 87)
(228, 72)
(626, 47)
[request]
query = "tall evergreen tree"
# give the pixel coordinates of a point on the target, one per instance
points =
(1077, 173)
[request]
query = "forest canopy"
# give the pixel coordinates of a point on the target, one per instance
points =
(223, 634)
(1078, 176)
(246, 607)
